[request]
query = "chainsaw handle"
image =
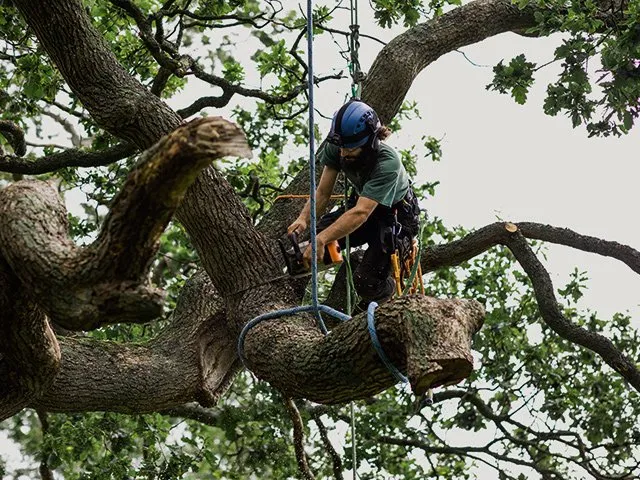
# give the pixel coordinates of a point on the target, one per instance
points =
(293, 238)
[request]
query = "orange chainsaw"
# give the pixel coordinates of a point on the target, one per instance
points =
(293, 255)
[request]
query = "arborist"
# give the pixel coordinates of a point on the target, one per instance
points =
(382, 209)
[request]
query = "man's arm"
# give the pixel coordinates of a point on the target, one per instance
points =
(323, 195)
(343, 226)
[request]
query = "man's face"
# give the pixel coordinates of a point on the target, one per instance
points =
(350, 154)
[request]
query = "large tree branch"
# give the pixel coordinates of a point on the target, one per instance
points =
(510, 235)
(586, 243)
(403, 58)
(192, 359)
(428, 339)
(117, 102)
(83, 287)
(29, 351)
(554, 317)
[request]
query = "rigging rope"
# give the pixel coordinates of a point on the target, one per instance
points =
(354, 45)
(315, 307)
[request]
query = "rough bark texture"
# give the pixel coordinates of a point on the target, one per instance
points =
(194, 357)
(82, 288)
(29, 351)
(428, 339)
(402, 59)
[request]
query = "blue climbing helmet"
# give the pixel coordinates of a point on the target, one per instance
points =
(356, 124)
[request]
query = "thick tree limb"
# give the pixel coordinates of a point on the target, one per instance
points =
(73, 157)
(154, 189)
(403, 58)
(192, 359)
(428, 339)
(35, 242)
(83, 287)
(116, 101)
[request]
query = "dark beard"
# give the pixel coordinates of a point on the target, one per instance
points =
(365, 161)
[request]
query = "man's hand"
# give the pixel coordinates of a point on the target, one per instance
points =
(298, 227)
(306, 257)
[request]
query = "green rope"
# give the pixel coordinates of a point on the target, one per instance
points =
(354, 45)
(350, 290)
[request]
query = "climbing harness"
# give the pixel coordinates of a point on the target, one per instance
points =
(405, 263)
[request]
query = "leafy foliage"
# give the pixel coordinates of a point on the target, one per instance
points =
(592, 34)
(537, 402)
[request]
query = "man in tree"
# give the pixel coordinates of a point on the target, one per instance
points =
(383, 207)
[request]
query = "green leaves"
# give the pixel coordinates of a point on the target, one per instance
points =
(615, 37)
(516, 77)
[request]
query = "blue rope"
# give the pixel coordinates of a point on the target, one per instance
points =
(378, 347)
(312, 172)
(283, 313)
(315, 307)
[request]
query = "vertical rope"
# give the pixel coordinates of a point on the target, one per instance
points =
(349, 282)
(354, 68)
(312, 171)
(354, 44)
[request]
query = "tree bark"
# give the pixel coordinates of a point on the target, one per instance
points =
(192, 359)
(82, 288)
(398, 64)
(29, 351)
(237, 258)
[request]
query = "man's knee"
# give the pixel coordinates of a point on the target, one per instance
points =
(370, 287)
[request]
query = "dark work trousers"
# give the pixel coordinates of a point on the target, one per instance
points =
(372, 278)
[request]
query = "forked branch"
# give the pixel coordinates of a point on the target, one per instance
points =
(83, 288)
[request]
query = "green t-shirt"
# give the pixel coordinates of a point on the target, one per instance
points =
(387, 182)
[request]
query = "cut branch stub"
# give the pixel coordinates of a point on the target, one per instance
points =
(428, 338)
(439, 350)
